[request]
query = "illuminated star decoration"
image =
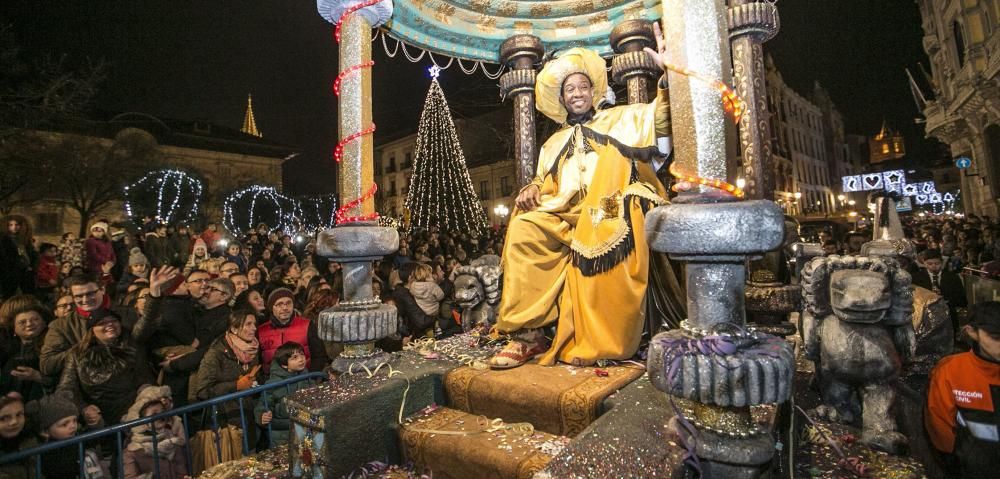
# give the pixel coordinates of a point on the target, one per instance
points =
(435, 71)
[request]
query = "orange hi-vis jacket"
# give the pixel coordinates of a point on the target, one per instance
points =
(963, 413)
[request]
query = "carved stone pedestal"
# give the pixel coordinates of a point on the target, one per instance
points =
(715, 367)
(360, 319)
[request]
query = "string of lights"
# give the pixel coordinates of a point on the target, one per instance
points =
(441, 192)
(244, 209)
(178, 196)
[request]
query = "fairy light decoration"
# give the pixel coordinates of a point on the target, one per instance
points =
(178, 196)
(441, 191)
(263, 204)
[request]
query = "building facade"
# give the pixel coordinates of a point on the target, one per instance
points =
(223, 158)
(962, 103)
(486, 144)
(810, 147)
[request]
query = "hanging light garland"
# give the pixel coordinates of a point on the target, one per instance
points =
(178, 196)
(441, 191)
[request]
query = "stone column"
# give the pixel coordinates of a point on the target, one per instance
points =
(713, 367)
(359, 319)
(520, 53)
(632, 65)
(751, 23)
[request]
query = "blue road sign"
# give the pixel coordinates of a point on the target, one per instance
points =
(963, 162)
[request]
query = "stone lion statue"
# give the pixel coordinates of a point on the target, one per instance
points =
(857, 328)
(477, 291)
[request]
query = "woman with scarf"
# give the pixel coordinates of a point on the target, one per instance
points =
(103, 373)
(232, 363)
(171, 440)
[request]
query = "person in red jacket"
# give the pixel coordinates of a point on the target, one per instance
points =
(282, 326)
(47, 272)
(963, 400)
(100, 253)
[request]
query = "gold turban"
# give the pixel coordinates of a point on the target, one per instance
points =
(548, 84)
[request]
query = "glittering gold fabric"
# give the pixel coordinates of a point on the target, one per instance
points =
(598, 313)
(559, 400)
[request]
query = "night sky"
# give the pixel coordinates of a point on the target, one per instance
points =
(198, 60)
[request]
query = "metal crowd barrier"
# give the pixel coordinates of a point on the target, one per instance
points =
(125, 428)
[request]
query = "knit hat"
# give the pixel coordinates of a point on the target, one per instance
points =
(99, 315)
(54, 408)
(146, 395)
(100, 224)
(135, 257)
(276, 295)
(199, 243)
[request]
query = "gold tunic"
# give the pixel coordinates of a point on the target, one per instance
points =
(581, 258)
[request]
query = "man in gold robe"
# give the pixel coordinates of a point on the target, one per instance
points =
(575, 252)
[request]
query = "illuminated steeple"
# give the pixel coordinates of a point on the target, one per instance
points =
(249, 124)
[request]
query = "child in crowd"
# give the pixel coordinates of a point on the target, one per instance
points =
(199, 253)
(289, 360)
(15, 437)
(961, 416)
(138, 267)
(58, 418)
(171, 440)
(47, 272)
(423, 288)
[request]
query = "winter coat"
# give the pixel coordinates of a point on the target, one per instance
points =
(47, 273)
(65, 462)
(280, 423)
(174, 320)
(428, 296)
(17, 265)
(217, 376)
(107, 376)
(412, 320)
(157, 249)
(137, 458)
(71, 253)
(24, 469)
(180, 247)
(240, 261)
(63, 334)
(98, 252)
(18, 353)
(273, 334)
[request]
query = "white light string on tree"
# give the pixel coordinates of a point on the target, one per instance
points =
(177, 196)
(441, 192)
(243, 210)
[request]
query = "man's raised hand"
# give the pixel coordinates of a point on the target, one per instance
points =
(160, 278)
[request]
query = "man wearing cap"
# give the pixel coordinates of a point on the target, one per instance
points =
(284, 325)
(575, 252)
(962, 416)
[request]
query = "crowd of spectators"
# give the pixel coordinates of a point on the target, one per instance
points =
(119, 326)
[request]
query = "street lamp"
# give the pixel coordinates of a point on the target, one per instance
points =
(841, 198)
(501, 211)
(741, 183)
(852, 202)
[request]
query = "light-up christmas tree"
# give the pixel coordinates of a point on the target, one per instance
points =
(441, 192)
(170, 196)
